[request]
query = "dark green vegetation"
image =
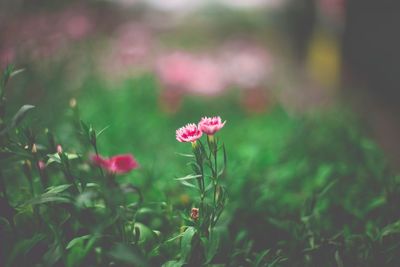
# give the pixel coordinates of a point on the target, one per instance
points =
(310, 190)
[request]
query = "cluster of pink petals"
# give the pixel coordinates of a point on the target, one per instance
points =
(211, 125)
(191, 132)
(118, 164)
(188, 133)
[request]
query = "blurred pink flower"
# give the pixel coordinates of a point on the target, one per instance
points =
(193, 74)
(206, 77)
(246, 65)
(188, 133)
(174, 70)
(59, 149)
(41, 165)
(117, 164)
(76, 26)
(211, 125)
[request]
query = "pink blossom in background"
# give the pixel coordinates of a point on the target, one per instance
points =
(188, 133)
(192, 73)
(175, 69)
(207, 78)
(211, 125)
(117, 164)
(41, 165)
(76, 25)
(246, 65)
(47, 35)
(59, 149)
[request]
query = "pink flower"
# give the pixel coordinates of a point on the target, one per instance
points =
(59, 149)
(117, 164)
(211, 125)
(41, 165)
(193, 74)
(188, 133)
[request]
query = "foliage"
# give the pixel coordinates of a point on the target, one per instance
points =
(311, 190)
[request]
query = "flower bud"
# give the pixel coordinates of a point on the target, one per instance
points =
(59, 149)
(34, 149)
(41, 165)
(194, 214)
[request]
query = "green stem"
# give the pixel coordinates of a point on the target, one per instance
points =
(3, 186)
(97, 154)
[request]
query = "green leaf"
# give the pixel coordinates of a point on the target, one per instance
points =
(188, 177)
(57, 189)
(77, 240)
(18, 117)
(393, 228)
(56, 158)
(185, 155)
(186, 243)
(213, 244)
(172, 264)
(146, 236)
(22, 248)
(185, 183)
(127, 254)
(16, 72)
(101, 131)
(48, 199)
(260, 257)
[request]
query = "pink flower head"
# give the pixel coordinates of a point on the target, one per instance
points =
(117, 164)
(41, 165)
(188, 133)
(211, 125)
(59, 149)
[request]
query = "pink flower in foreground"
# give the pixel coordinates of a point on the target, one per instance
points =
(188, 133)
(211, 125)
(118, 164)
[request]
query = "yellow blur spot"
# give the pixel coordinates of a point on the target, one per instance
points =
(323, 60)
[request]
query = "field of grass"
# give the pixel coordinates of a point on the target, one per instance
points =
(302, 190)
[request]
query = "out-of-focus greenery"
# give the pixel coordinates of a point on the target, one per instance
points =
(305, 190)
